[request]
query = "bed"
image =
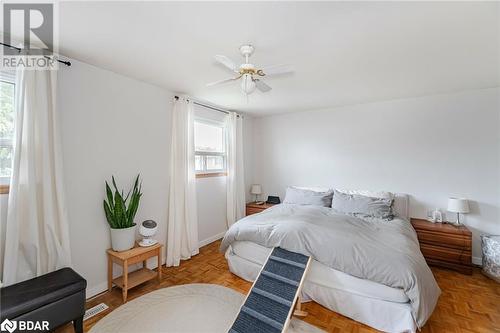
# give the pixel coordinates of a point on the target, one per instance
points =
(372, 295)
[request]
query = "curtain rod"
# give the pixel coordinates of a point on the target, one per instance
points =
(67, 63)
(208, 106)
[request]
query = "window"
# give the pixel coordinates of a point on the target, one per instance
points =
(209, 146)
(6, 126)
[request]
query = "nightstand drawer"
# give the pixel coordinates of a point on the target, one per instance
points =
(444, 240)
(464, 269)
(252, 210)
(446, 254)
(445, 245)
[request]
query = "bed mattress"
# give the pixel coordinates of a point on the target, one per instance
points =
(325, 276)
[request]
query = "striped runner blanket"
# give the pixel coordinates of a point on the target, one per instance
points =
(270, 303)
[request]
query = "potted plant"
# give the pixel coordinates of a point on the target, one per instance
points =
(120, 212)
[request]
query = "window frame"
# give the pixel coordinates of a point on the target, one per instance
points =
(9, 77)
(216, 172)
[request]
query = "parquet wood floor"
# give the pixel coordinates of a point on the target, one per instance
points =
(467, 304)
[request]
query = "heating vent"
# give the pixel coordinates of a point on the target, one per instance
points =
(95, 310)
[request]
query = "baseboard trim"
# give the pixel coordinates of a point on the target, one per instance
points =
(211, 239)
(477, 261)
(96, 290)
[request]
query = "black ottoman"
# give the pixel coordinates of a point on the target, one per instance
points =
(57, 298)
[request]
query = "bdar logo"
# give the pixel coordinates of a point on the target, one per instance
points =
(8, 325)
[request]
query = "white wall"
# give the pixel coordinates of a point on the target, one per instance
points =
(211, 200)
(114, 125)
(248, 154)
(111, 125)
(430, 147)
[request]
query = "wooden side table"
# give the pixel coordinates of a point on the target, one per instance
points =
(253, 208)
(130, 257)
(445, 245)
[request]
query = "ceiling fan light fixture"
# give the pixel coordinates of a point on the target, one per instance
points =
(247, 84)
(250, 75)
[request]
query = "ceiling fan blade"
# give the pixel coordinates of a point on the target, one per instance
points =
(262, 86)
(222, 81)
(226, 62)
(277, 69)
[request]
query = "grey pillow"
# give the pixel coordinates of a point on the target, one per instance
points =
(300, 196)
(362, 206)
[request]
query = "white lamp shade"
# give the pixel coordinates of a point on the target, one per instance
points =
(458, 205)
(256, 189)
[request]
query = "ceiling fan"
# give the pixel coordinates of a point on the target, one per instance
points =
(251, 76)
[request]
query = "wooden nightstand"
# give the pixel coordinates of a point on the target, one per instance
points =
(130, 257)
(445, 245)
(253, 208)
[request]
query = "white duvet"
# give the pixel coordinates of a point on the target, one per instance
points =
(386, 252)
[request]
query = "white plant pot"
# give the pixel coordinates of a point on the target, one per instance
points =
(123, 239)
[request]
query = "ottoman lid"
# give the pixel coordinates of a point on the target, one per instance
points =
(28, 295)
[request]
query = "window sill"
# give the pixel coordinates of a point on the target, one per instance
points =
(212, 174)
(4, 189)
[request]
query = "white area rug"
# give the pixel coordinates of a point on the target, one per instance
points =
(193, 308)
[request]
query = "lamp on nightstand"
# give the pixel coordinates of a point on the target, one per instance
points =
(458, 205)
(256, 190)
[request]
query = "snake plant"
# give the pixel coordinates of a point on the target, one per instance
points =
(120, 211)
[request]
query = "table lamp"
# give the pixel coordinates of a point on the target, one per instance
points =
(256, 190)
(458, 205)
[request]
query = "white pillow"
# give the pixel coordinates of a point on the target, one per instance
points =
(362, 206)
(367, 193)
(400, 203)
(313, 188)
(301, 196)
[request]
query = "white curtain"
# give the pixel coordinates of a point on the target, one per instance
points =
(182, 229)
(37, 237)
(235, 169)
